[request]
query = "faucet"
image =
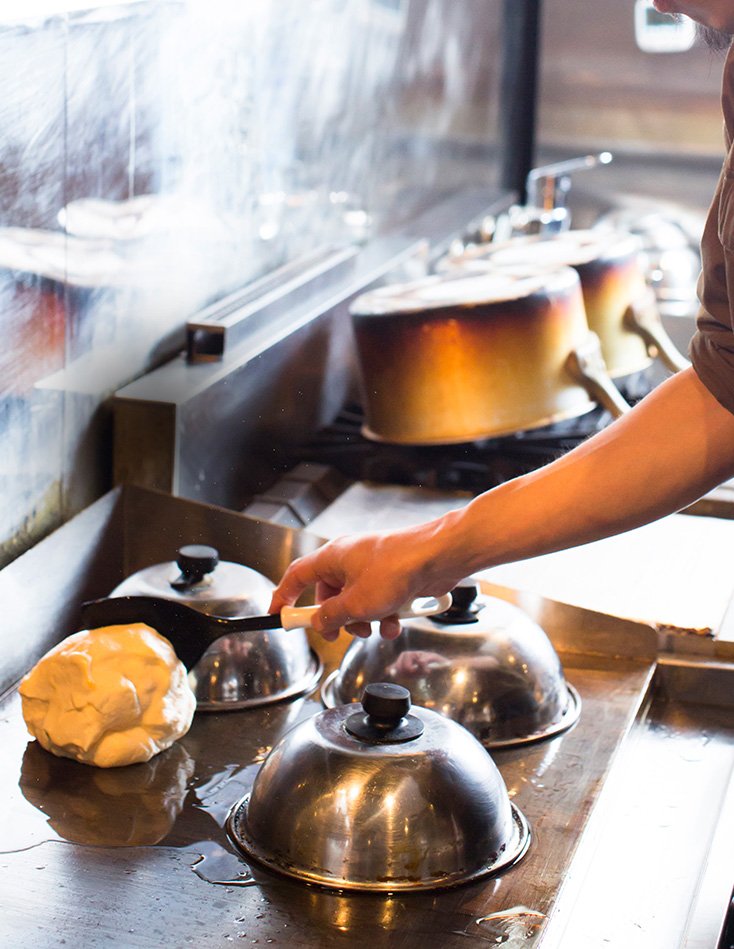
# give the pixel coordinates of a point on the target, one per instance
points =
(546, 188)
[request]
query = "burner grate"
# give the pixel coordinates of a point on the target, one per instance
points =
(472, 466)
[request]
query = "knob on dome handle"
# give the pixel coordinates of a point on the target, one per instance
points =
(386, 703)
(194, 561)
(464, 606)
(384, 718)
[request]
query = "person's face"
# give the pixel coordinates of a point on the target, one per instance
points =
(716, 14)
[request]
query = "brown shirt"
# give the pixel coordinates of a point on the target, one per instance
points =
(712, 347)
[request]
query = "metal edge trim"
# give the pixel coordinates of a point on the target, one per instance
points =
(302, 687)
(515, 851)
(567, 720)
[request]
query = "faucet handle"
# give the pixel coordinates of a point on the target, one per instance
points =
(547, 186)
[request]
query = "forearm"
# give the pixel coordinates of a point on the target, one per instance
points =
(669, 450)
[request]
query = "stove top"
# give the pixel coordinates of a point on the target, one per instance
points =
(472, 466)
(317, 471)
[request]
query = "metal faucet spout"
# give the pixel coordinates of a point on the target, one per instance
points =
(547, 186)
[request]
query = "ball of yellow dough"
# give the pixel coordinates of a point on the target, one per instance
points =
(111, 696)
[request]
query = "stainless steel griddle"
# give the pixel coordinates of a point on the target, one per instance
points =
(630, 810)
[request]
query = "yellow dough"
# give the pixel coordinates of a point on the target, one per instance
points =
(108, 697)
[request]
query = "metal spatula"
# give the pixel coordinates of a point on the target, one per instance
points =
(191, 632)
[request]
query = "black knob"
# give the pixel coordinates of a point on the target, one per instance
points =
(384, 718)
(386, 703)
(464, 595)
(195, 561)
(464, 607)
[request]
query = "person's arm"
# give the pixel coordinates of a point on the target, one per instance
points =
(665, 453)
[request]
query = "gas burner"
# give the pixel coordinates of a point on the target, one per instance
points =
(472, 466)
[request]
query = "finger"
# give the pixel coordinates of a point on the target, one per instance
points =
(333, 615)
(362, 630)
(297, 577)
(324, 591)
(390, 627)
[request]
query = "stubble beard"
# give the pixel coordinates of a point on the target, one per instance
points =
(716, 40)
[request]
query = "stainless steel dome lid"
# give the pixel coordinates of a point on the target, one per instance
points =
(384, 797)
(241, 670)
(198, 578)
(484, 663)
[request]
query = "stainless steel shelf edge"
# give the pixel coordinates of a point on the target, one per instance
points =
(574, 630)
(224, 323)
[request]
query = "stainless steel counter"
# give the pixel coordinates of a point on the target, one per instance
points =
(625, 808)
(665, 816)
(61, 816)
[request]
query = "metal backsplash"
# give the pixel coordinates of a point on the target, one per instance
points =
(160, 155)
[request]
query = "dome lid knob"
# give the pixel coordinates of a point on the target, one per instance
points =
(194, 561)
(384, 718)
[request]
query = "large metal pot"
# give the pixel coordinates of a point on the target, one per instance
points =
(383, 797)
(620, 307)
(240, 670)
(670, 236)
(455, 358)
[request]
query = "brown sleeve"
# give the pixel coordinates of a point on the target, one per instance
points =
(712, 347)
(712, 354)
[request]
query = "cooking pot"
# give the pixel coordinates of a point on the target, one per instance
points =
(483, 663)
(240, 670)
(620, 307)
(384, 797)
(456, 358)
(670, 237)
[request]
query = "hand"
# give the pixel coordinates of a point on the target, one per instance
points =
(362, 578)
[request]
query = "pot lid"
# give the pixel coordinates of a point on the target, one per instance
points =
(456, 289)
(200, 579)
(386, 797)
(565, 249)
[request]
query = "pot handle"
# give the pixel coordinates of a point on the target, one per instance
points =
(292, 617)
(642, 318)
(586, 365)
